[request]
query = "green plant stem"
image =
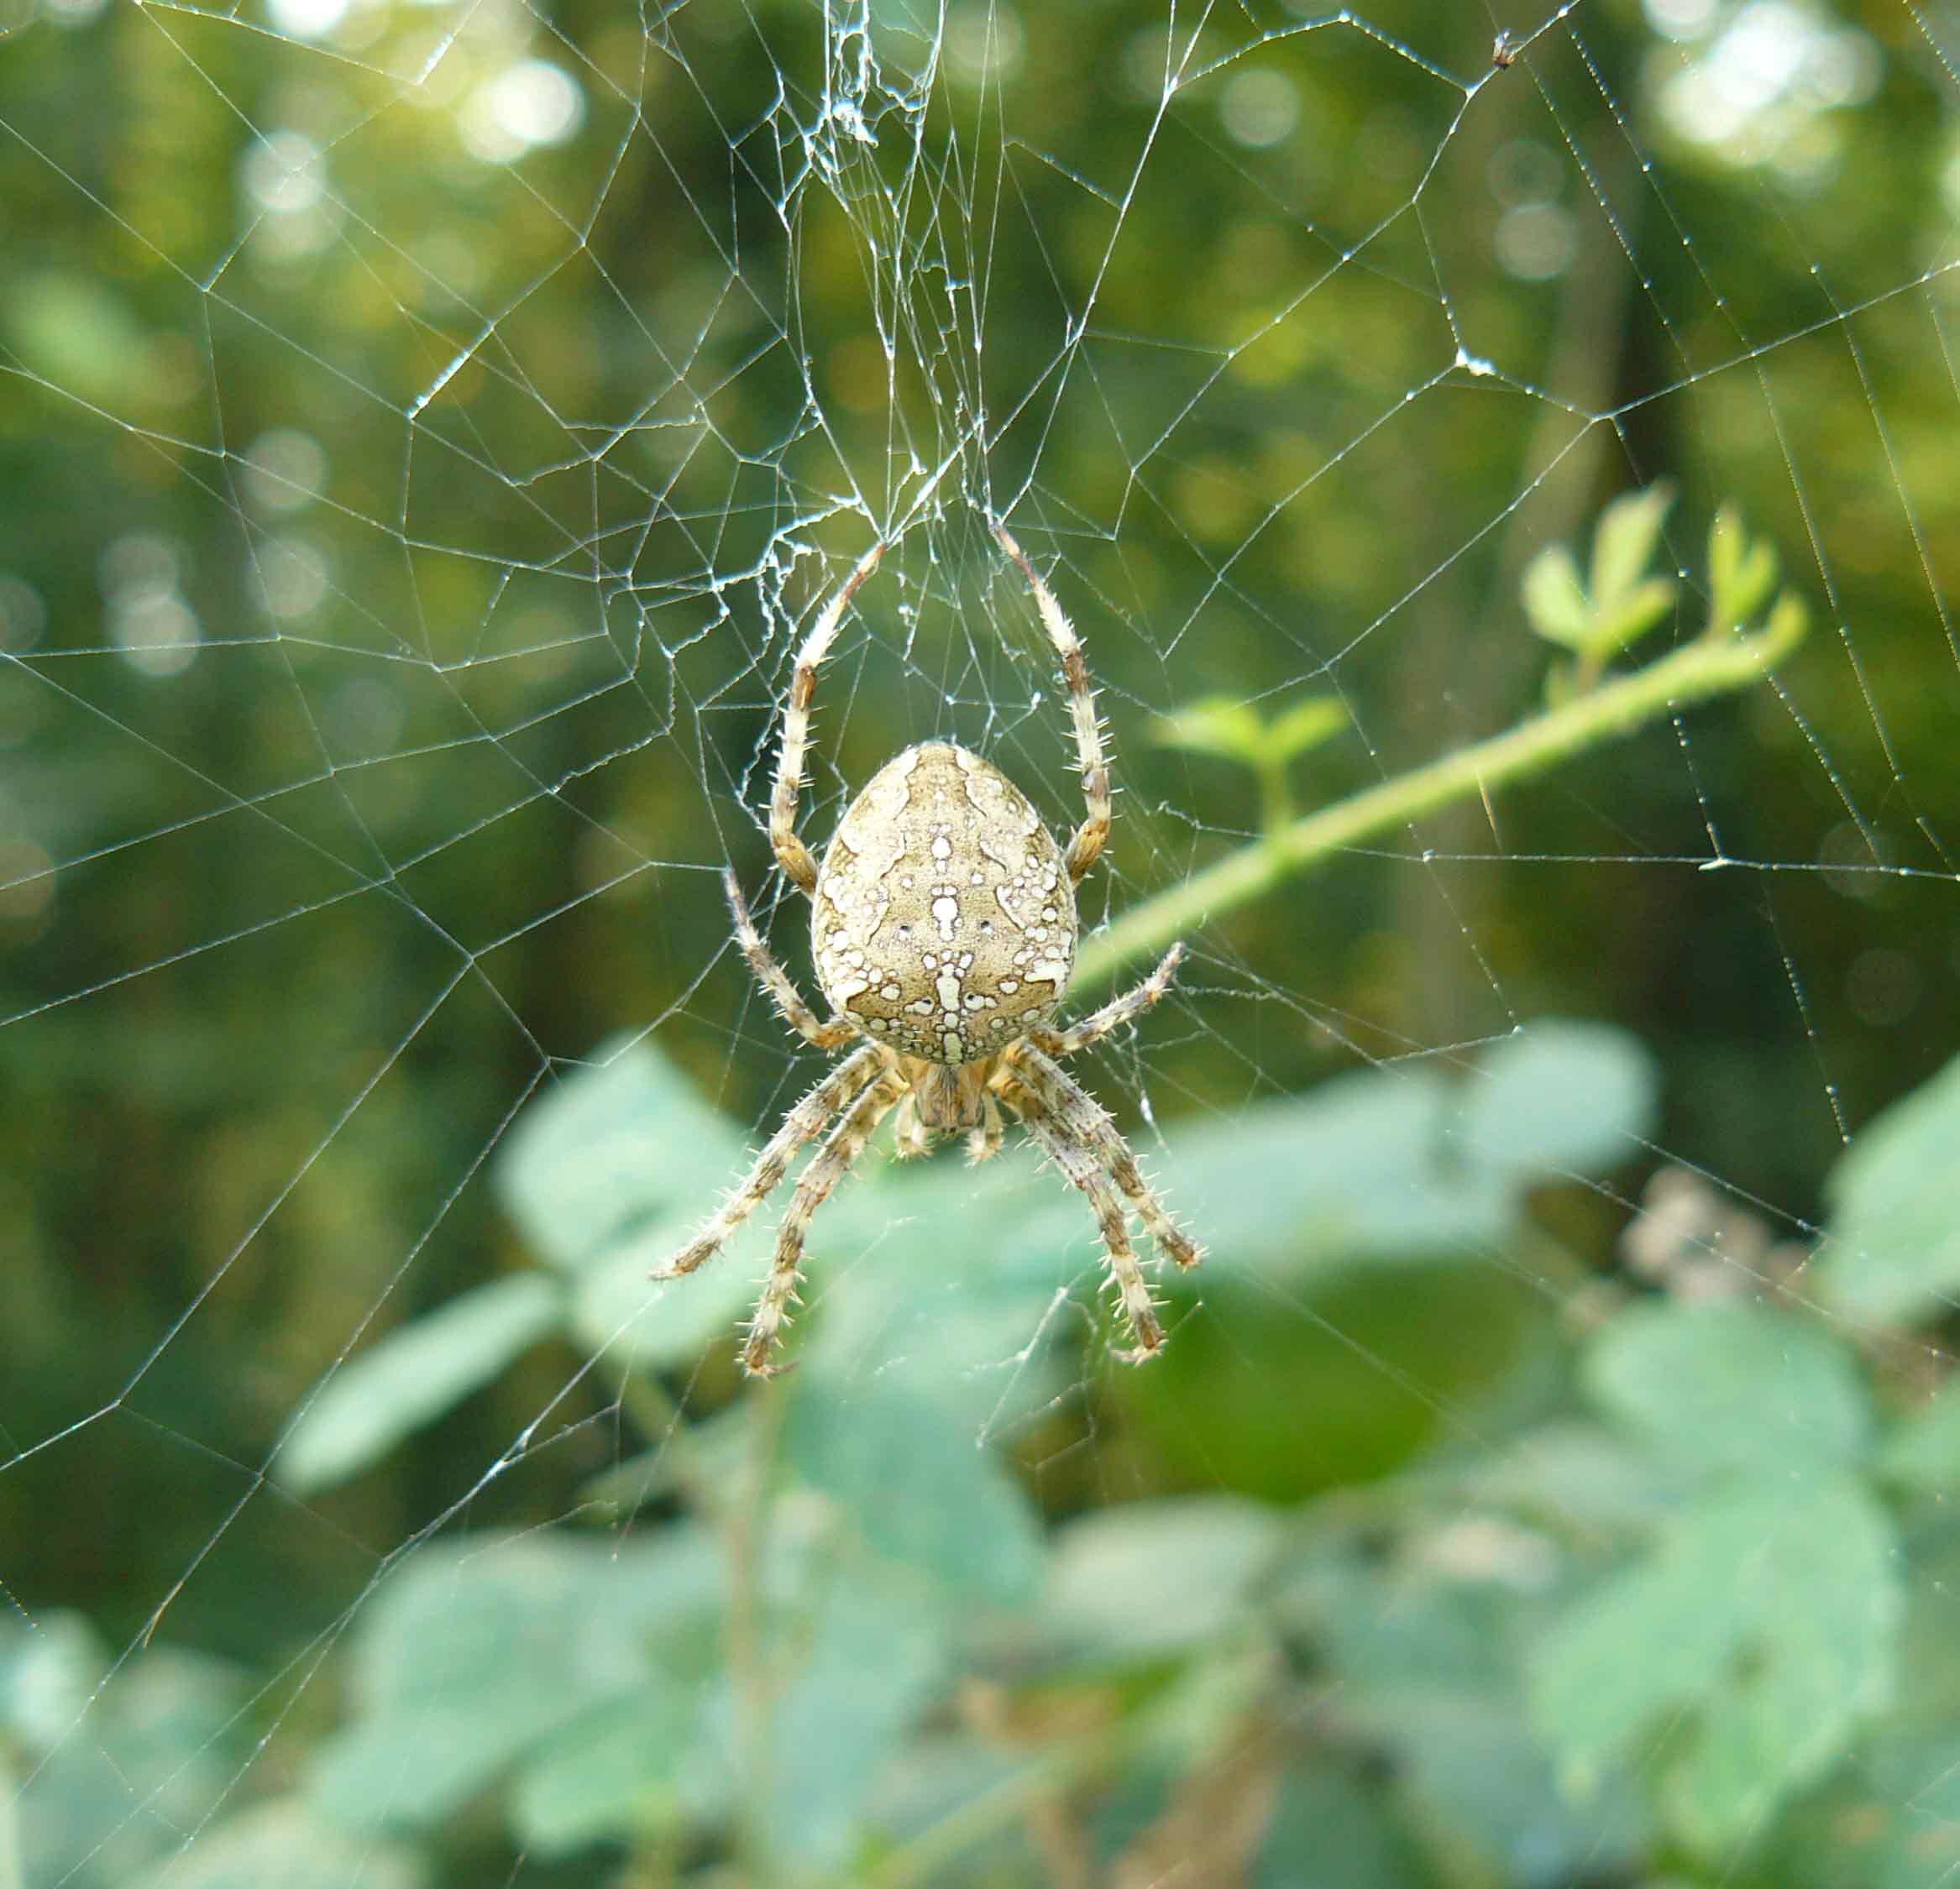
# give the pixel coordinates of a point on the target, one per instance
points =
(1713, 664)
(746, 1535)
(12, 1876)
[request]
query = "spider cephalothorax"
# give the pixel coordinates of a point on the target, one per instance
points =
(944, 926)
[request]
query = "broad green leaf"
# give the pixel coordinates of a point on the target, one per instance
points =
(619, 1771)
(1555, 602)
(1327, 1829)
(919, 1493)
(283, 1845)
(1145, 1578)
(612, 1147)
(1923, 1450)
(1304, 727)
(1577, 1472)
(638, 1322)
(1720, 1385)
(1358, 1170)
(411, 1376)
(1893, 1253)
(1767, 1613)
(106, 1766)
(1826, 1603)
(874, 1658)
(1427, 1663)
(1557, 1097)
(473, 1654)
(1216, 724)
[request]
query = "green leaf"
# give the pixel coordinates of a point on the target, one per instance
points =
(1147, 1578)
(1399, 1164)
(1742, 573)
(1558, 1097)
(1731, 1385)
(918, 1491)
(1328, 1830)
(284, 1844)
(1635, 614)
(620, 1143)
(1827, 1613)
(620, 1772)
(1770, 1612)
(1923, 1450)
(1426, 1663)
(1623, 545)
(1892, 1256)
(411, 1376)
(1554, 599)
(1305, 725)
(1216, 724)
(474, 1653)
(877, 1656)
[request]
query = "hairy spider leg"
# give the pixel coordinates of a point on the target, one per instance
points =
(1114, 1014)
(1089, 1123)
(1083, 1165)
(803, 1123)
(773, 979)
(791, 853)
(841, 1146)
(1093, 833)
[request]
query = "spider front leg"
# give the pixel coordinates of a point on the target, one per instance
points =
(1093, 833)
(773, 979)
(802, 1123)
(1113, 1015)
(791, 853)
(1080, 1162)
(841, 1146)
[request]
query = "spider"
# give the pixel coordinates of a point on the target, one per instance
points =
(944, 927)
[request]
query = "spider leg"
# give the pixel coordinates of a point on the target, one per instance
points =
(1094, 831)
(911, 1135)
(791, 853)
(1089, 1122)
(799, 1125)
(773, 979)
(841, 1146)
(1083, 1165)
(983, 1143)
(1116, 1012)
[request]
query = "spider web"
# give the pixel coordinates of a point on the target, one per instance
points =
(430, 431)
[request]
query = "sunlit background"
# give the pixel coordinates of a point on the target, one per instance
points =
(426, 433)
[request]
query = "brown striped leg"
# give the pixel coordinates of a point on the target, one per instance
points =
(801, 1124)
(791, 853)
(841, 1146)
(1094, 831)
(983, 1143)
(773, 979)
(1081, 1164)
(1116, 1012)
(1089, 1122)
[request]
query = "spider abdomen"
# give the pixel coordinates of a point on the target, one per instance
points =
(943, 918)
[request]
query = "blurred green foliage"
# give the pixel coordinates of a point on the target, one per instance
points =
(401, 552)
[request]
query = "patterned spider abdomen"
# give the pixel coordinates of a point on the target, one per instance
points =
(943, 919)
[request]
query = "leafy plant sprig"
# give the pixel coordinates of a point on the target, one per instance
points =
(1595, 621)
